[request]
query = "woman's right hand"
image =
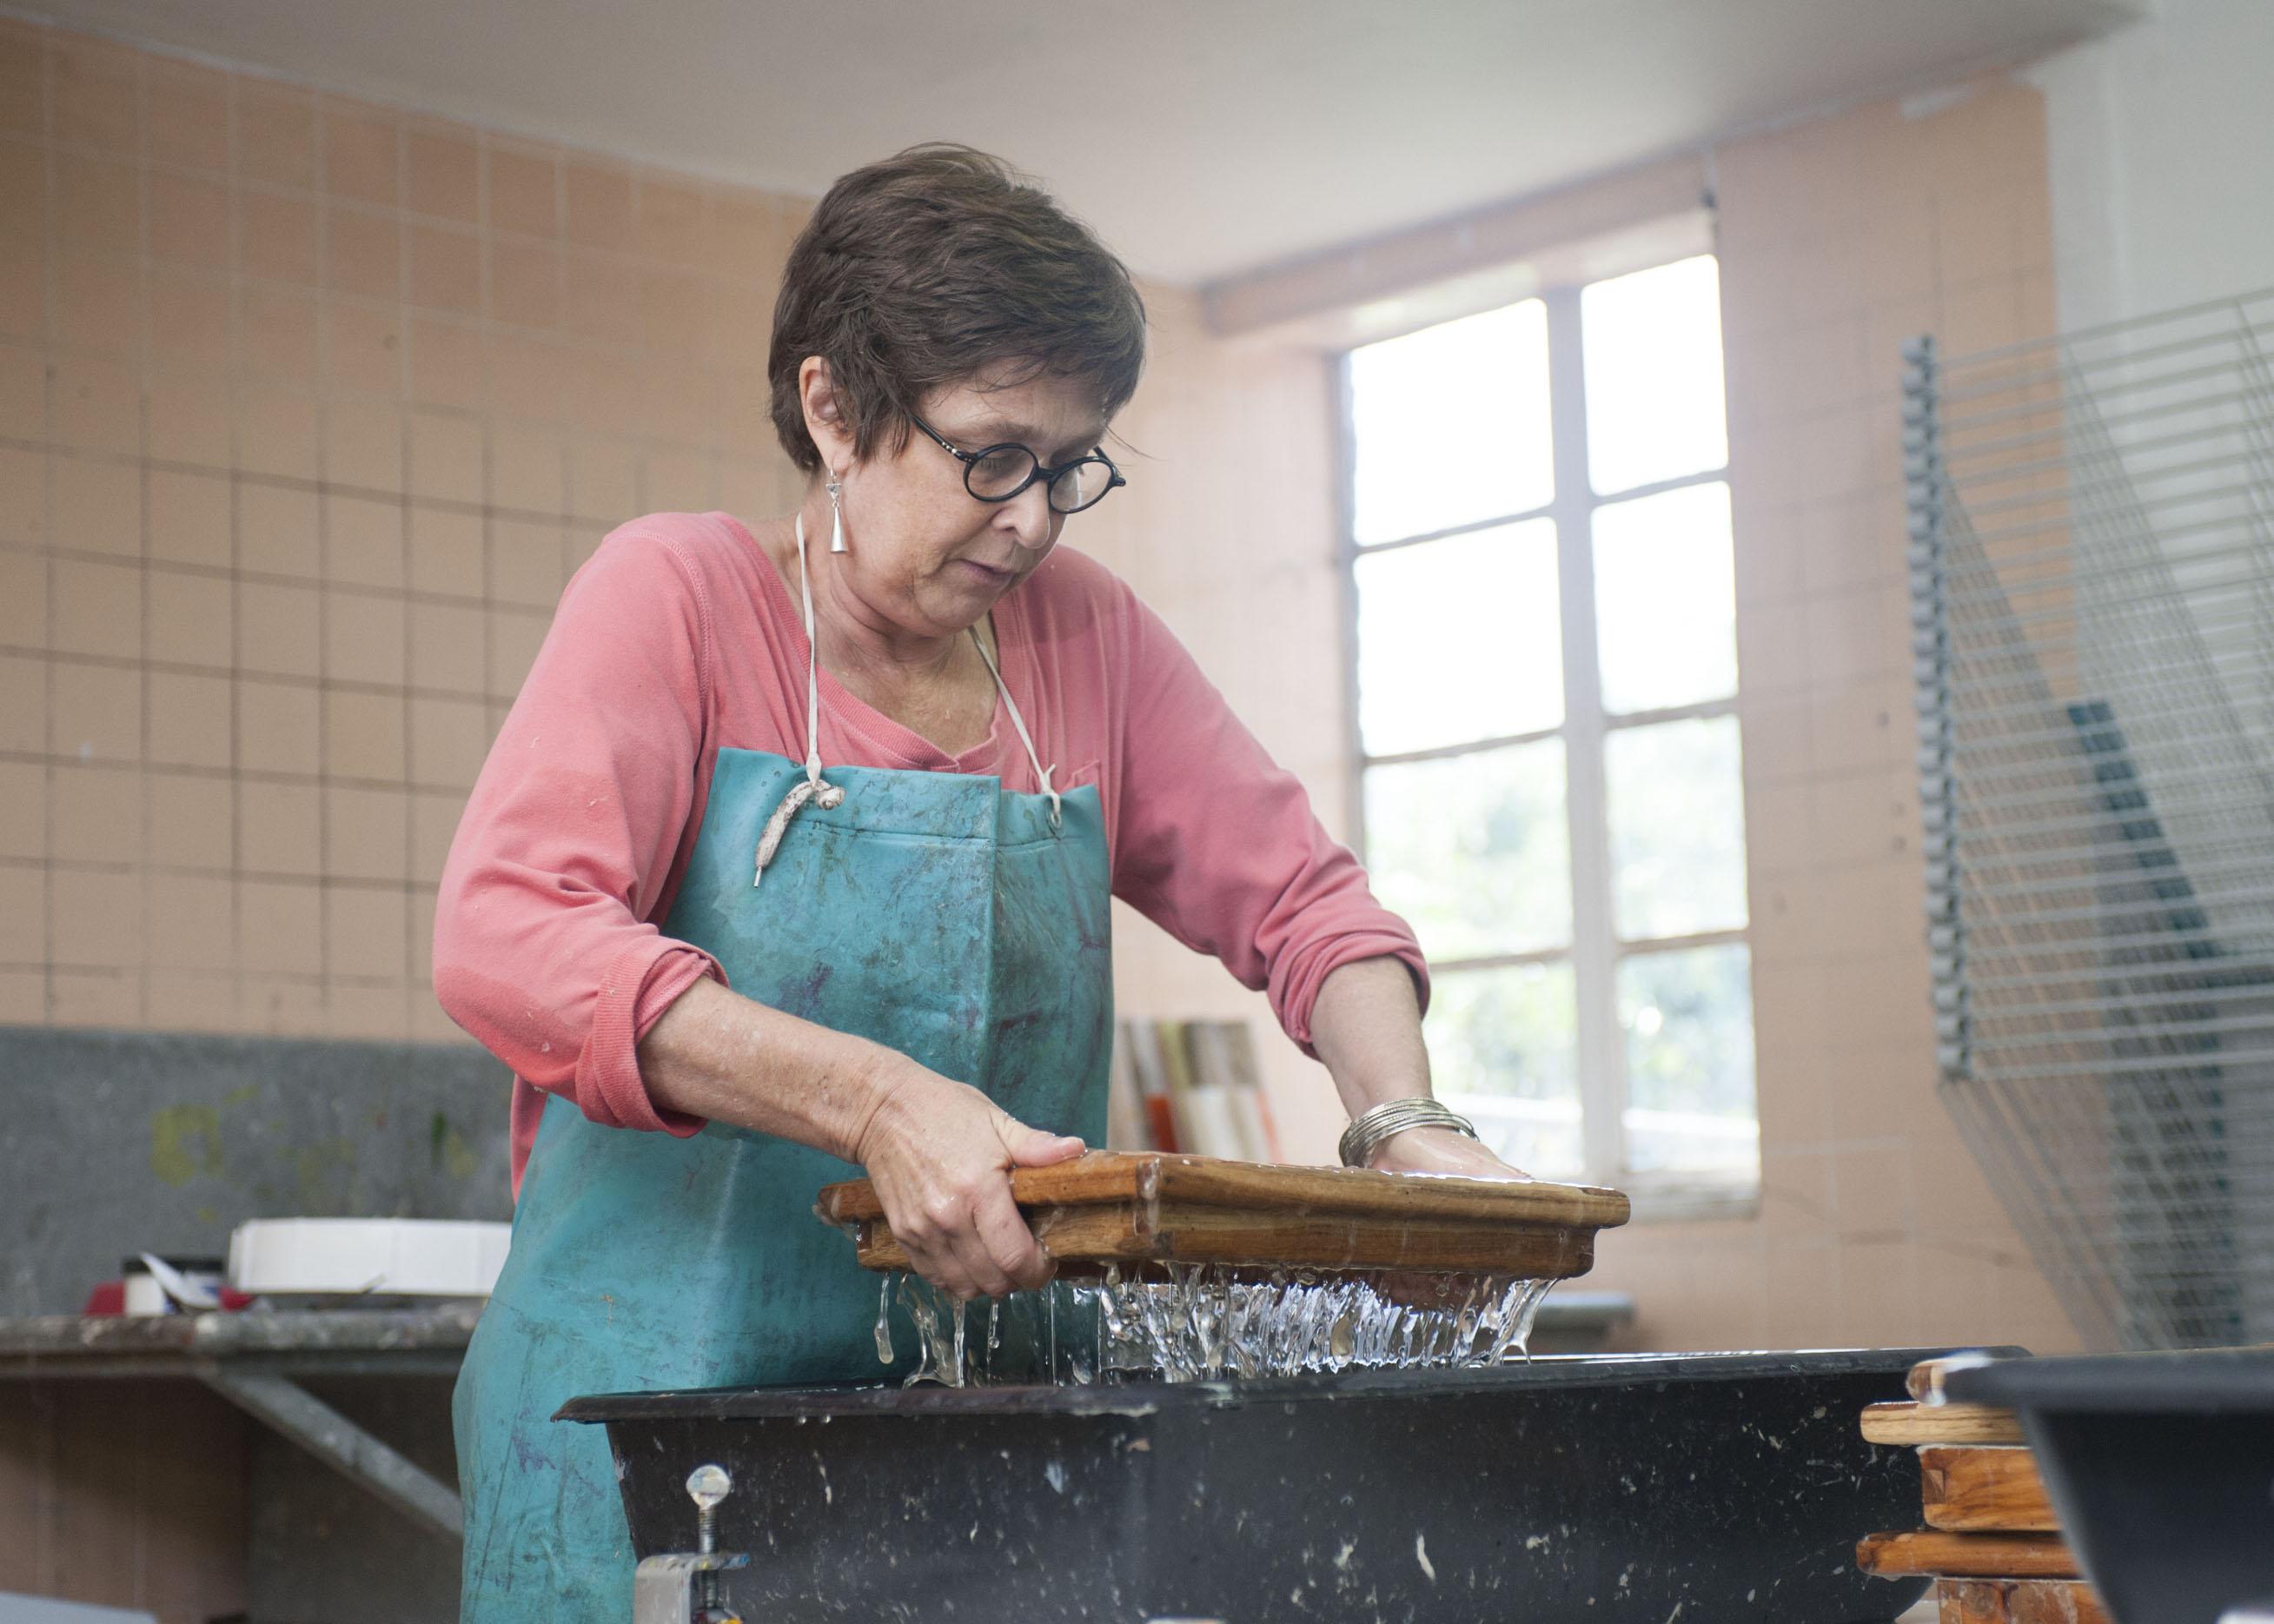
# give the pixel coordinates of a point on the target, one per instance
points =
(940, 1153)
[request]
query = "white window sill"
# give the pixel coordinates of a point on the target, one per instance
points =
(1668, 1202)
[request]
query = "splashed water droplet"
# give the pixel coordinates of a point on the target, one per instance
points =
(1189, 1322)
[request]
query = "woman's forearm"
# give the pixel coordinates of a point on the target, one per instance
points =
(721, 1056)
(939, 1151)
(1367, 1026)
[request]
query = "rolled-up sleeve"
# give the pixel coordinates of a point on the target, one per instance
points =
(543, 948)
(1217, 842)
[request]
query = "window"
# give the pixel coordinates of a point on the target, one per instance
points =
(1547, 684)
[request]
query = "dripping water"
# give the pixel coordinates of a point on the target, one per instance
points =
(1192, 1322)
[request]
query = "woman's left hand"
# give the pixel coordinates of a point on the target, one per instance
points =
(1440, 1150)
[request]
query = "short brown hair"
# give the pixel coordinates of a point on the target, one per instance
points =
(921, 270)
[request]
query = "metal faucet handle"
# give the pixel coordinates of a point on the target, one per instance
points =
(706, 1486)
(677, 1588)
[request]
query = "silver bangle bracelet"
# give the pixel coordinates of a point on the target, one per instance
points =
(1370, 1128)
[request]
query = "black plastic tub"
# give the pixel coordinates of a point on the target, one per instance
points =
(2161, 1469)
(1706, 1489)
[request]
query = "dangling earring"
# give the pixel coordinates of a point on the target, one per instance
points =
(836, 517)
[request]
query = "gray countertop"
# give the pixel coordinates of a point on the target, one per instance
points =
(335, 1341)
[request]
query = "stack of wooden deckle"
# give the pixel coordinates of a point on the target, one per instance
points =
(1990, 1541)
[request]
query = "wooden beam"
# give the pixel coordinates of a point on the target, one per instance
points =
(1965, 1556)
(1941, 1423)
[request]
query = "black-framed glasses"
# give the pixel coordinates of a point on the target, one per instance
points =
(998, 473)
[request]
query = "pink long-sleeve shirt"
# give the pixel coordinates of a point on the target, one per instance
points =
(680, 638)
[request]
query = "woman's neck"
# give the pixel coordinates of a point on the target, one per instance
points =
(854, 639)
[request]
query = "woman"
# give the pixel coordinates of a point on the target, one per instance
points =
(795, 852)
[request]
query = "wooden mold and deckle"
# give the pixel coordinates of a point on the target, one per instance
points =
(1109, 1209)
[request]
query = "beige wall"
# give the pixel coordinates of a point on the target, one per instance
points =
(307, 408)
(1838, 240)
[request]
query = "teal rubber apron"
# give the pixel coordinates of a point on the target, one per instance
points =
(963, 925)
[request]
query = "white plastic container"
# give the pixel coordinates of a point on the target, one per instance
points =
(366, 1258)
(147, 1293)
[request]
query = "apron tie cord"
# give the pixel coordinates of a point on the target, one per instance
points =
(1042, 773)
(818, 791)
(813, 787)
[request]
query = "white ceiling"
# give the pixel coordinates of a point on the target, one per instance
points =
(1202, 138)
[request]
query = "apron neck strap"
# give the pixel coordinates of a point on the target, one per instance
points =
(812, 667)
(814, 787)
(813, 694)
(1042, 773)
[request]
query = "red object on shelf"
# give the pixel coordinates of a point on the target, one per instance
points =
(107, 1300)
(1163, 1122)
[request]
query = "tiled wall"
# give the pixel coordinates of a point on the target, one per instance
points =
(1839, 238)
(307, 408)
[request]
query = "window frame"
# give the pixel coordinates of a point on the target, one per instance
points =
(1596, 950)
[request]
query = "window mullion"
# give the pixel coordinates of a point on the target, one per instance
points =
(1594, 947)
(1346, 579)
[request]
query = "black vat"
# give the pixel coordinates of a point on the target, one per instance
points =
(1704, 1489)
(2161, 1469)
